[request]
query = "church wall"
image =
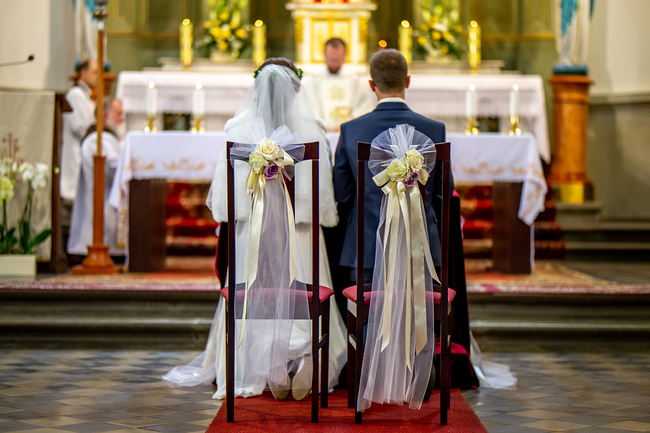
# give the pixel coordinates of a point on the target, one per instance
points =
(618, 155)
(44, 29)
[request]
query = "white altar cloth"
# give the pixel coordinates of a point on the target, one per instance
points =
(436, 96)
(492, 157)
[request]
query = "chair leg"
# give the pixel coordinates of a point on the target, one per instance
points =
(325, 354)
(315, 344)
(351, 362)
(444, 370)
(358, 358)
(230, 368)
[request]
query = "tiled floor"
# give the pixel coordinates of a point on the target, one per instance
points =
(74, 391)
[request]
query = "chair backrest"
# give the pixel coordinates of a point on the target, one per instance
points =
(363, 155)
(443, 156)
(311, 154)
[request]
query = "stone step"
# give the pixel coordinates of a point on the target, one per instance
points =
(578, 213)
(613, 232)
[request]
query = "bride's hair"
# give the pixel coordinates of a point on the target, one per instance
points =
(280, 61)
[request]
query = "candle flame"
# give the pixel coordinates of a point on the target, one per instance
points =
(515, 87)
(406, 24)
(471, 88)
(473, 23)
(186, 22)
(383, 43)
(259, 23)
(199, 86)
(151, 84)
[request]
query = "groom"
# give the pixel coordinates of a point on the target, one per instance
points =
(389, 73)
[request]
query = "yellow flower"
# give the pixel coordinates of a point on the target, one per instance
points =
(422, 40)
(216, 23)
(216, 33)
(397, 169)
(257, 162)
(437, 35)
(240, 33)
(207, 24)
(447, 36)
(414, 160)
(223, 16)
(424, 27)
(269, 149)
(6, 189)
(436, 18)
(444, 49)
(223, 46)
(226, 33)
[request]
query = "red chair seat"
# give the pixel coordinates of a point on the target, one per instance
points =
(351, 294)
(324, 293)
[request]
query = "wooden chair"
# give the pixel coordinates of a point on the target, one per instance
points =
(359, 296)
(318, 309)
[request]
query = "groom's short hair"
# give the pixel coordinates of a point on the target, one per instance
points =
(389, 71)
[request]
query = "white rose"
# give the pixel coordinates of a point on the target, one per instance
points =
(269, 149)
(397, 169)
(414, 159)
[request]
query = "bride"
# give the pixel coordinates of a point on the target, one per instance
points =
(278, 98)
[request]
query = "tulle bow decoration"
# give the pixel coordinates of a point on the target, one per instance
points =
(400, 158)
(271, 156)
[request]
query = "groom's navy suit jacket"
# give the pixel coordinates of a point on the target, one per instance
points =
(366, 128)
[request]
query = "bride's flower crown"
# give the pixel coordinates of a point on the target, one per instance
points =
(299, 72)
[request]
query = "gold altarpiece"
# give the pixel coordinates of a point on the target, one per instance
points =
(316, 22)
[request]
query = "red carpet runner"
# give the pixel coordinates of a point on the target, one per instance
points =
(265, 414)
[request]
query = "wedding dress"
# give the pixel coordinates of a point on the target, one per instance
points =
(276, 99)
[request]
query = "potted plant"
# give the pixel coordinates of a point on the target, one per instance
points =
(17, 245)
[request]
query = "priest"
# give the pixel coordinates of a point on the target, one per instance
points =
(75, 125)
(337, 95)
(81, 227)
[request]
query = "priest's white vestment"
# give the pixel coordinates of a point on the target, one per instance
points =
(75, 125)
(81, 226)
(337, 98)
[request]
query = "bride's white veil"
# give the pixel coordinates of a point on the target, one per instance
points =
(279, 98)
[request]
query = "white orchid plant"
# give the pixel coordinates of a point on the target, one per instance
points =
(35, 176)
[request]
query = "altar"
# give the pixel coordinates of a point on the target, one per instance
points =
(440, 97)
(148, 161)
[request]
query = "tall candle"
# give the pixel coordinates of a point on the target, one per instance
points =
(186, 36)
(152, 100)
(259, 42)
(405, 33)
(474, 45)
(514, 101)
(471, 102)
(198, 101)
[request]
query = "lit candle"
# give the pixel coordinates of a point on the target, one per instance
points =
(406, 41)
(259, 42)
(198, 102)
(471, 102)
(514, 101)
(152, 99)
(186, 37)
(474, 45)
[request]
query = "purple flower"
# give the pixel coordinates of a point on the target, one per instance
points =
(415, 175)
(409, 182)
(271, 171)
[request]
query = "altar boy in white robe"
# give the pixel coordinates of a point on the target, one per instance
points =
(337, 95)
(75, 125)
(81, 227)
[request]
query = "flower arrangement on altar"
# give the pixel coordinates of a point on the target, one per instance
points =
(35, 176)
(439, 36)
(407, 169)
(224, 31)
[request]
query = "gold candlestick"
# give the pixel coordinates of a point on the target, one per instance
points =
(151, 123)
(514, 126)
(197, 124)
(471, 129)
